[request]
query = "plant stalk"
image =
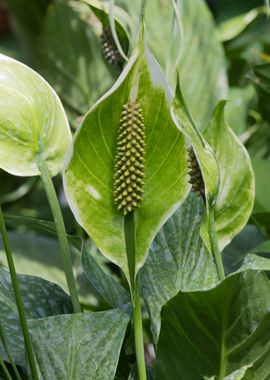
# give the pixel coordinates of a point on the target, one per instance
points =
(129, 228)
(214, 245)
(6, 348)
(18, 298)
(61, 232)
(4, 368)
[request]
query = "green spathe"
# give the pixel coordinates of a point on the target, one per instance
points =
(32, 121)
(88, 177)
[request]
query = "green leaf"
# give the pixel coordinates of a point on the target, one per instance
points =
(202, 64)
(79, 346)
(41, 298)
(261, 81)
(178, 260)
(32, 121)
(244, 373)
(88, 177)
(261, 169)
(217, 331)
(36, 255)
(202, 150)
(68, 54)
(231, 28)
(235, 253)
(112, 292)
(195, 49)
(236, 188)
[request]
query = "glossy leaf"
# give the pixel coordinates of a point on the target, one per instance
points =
(88, 177)
(217, 331)
(79, 346)
(32, 121)
(41, 298)
(178, 260)
(236, 188)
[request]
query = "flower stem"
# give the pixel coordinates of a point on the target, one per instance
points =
(18, 298)
(6, 348)
(129, 227)
(4, 368)
(61, 232)
(214, 244)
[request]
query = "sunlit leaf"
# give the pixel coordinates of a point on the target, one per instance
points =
(32, 121)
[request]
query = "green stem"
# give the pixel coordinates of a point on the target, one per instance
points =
(214, 244)
(6, 348)
(61, 232)
(4, 368)
(129, 228)
(18, 298)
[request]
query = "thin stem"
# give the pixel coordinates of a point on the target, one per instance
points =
(138, 332)
(18, 298)
(129, 228)
(4, 368)
(6, 348)
(214, 244)
(61, 232)
(113, 31)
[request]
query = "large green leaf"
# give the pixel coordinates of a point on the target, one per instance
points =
(32, 121)
(217, 331)
(236, 188)
(41, 298)
(79, 346)
(88, 177)
(178, 260)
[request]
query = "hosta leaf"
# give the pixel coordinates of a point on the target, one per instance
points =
(217, 331)
(88, 177)
(79, 346)
(236, 189)
(178, 260)
(32, 121)
(41, 298)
